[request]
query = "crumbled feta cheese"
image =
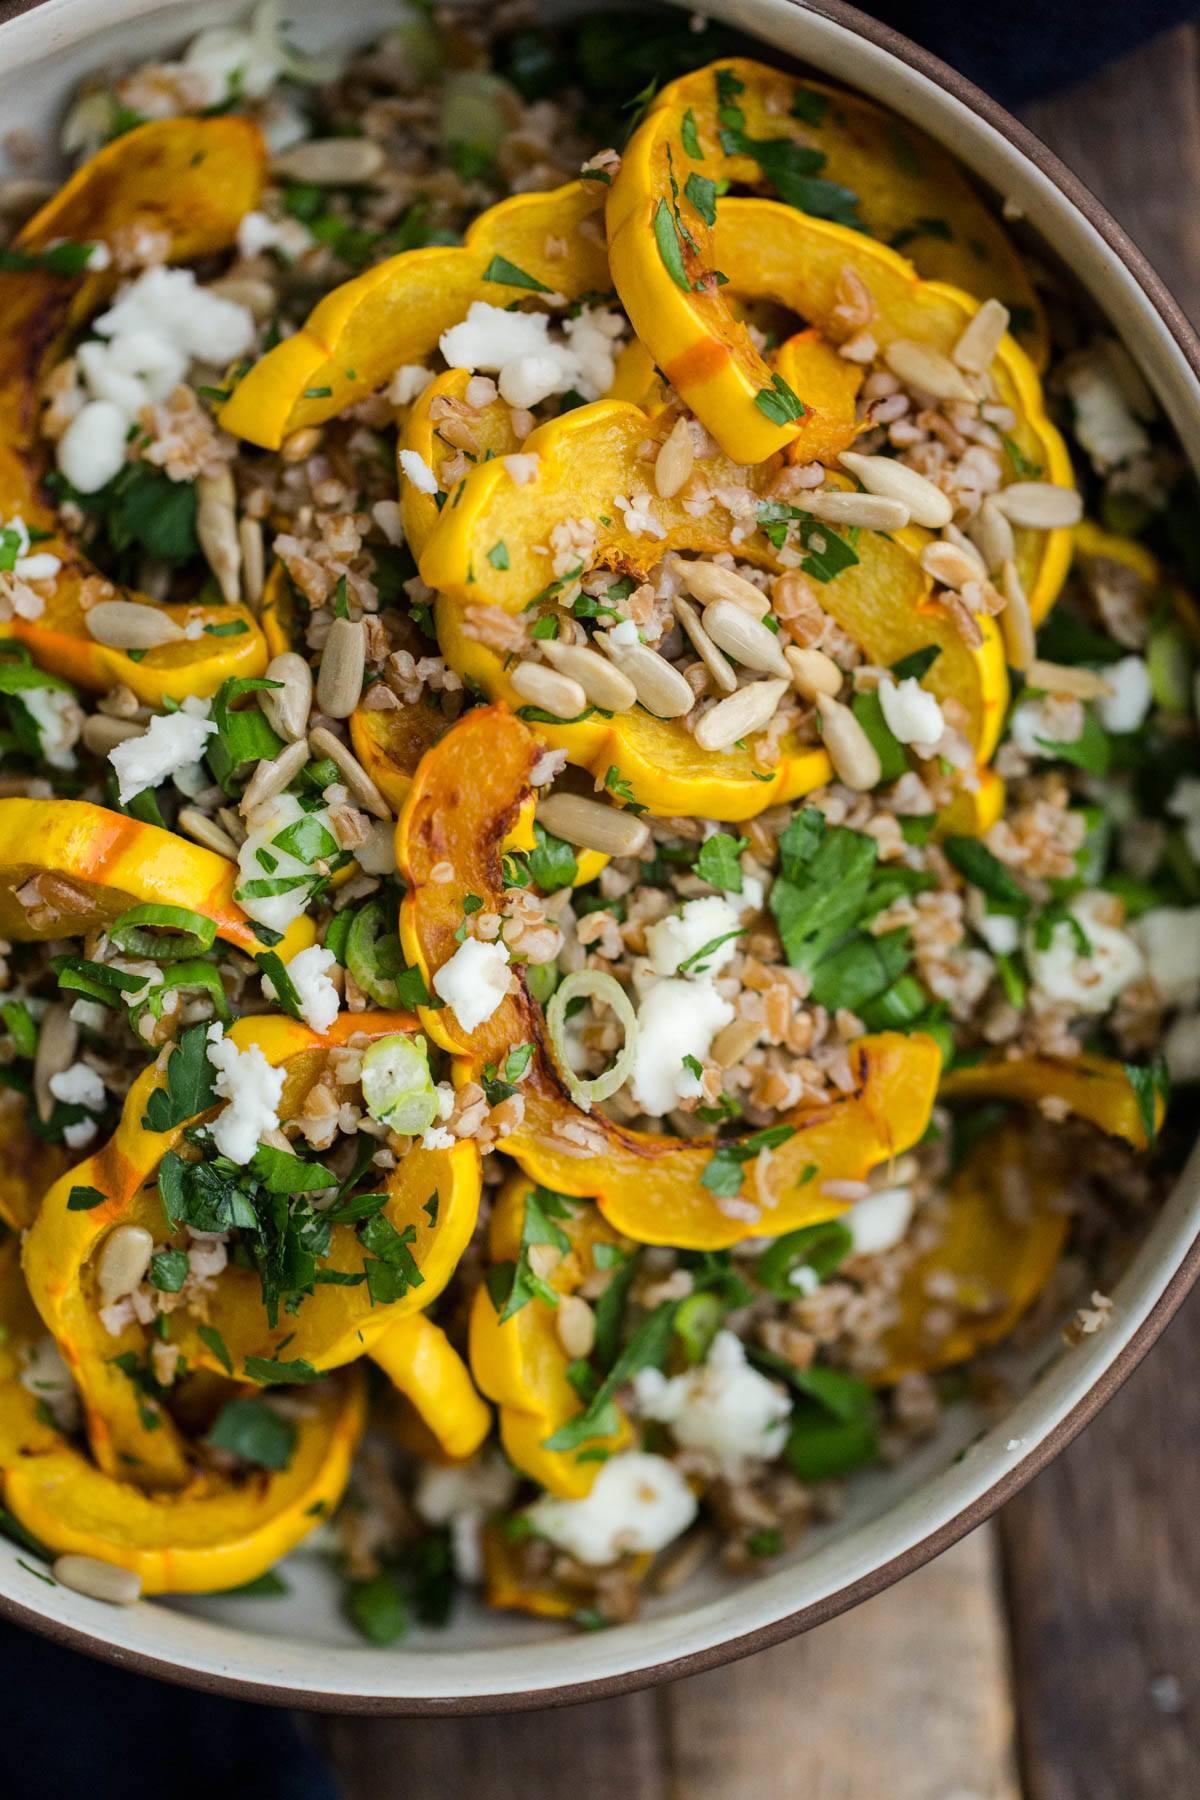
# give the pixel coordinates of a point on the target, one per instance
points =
(912, 715)
(528, 380)
(253, 1089)
(681, 935)
(724, 1408)
(59, 720)
(171, 741)
(79, 1086)
(316, 995)
(491, 336)
(170, 305)
(625, 632)
(593, 335)
(409, 380)
(531, 364)
(79, 1135)
(257, 232)
(1032, 727)
(1169, 937)
(1184, 804)
(1088, 981)
(132, 370)
(92, 448)
(233, 61)
(418, 471)
(474, 981)
(377, 856)
(263, 858)
(463, 1496)
(30, 564)
(1104, 424)
(677, 1018)
(999, 931)
(879, 1222)
(752, 896)
(638, 1503)
(1126, 707)
(522, 467)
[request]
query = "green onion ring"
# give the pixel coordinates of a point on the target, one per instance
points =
(597, 985)
(373, 954)
(163, 933)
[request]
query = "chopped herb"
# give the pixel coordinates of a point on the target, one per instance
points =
(697, 959)
(723, 1173)
(780, 404)
(666, 236)
(83, 1199)
(1024, 468)
(1150, 1084)
(254, 1432)
(189, 1084)
(268, 1370)
(646, 1349)
(718, 862)
(208, 1334)
(509, 275)
(703, 195)
(917, 663)
(984, 870)
(376, 1608)
(690, 137)
(169, 1270)
(498, 555)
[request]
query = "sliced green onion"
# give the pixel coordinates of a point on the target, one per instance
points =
(187, 978)
(697, 1321)
(592, 984)
(337, 932)
(18, 1022)
(163, 933)
(397, 1085)
(897, 1006)
(821, 1248)
(1169, 666)
(541, 979)
(373, 955)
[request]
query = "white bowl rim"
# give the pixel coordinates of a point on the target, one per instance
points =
(1105, 1372)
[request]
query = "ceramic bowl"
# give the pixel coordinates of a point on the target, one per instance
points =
(297, 1649)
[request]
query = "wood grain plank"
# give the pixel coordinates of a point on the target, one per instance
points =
(608, 1751)
(1132, 134)
(906, 1698)
(1101, 1553)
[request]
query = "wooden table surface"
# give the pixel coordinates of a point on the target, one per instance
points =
(1054, 1655)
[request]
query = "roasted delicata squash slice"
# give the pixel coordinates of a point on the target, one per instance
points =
(516, 1355)
(990, 1264)
(835, 155)
(1094, 1088)
(810, 364)
(485, 549)
(423, 1365)
(28, 1164)
(395, 313)
(466, 795)
(193, 179)
(441, 428)
(67, 867)
(432, 1202)
(390, 744)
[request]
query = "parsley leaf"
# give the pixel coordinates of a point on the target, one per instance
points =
(508, 274)
(718, 862)
(189, 1088)
(1150, 1084)
(254, 1432)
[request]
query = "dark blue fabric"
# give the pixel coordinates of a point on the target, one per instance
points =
(72, 1728)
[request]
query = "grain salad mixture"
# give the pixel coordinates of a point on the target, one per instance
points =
(599, 818)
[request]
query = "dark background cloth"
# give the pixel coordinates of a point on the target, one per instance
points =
(70, 1726)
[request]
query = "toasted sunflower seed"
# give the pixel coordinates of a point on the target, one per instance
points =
(602, 683)
(543, 687)
(1016, 620)
(343, 663)
(287, 706)
(1067, 678)
(1040, 505)
(322, 742)
(331, 162)
(124, 1259)
(101, 733)
(250, 540)
(951, 565)
(661, 689)
(976, 349)
(719, 667)
(203, 830)
(97, 1580)
(854, 757)
(813, 673)
(591, 825)
(748, 710)
(893, 480)
(920, 366)
(271, 777)
(124, 625)
(709, 581)
(873, 512)
(58, 1040)
(217, 532)
(575, 1323)
(740, 635)
(674, 463)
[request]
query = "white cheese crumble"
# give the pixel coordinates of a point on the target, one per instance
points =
(262, 859)
(681, 935)
(463, 1496)
(79, 1086)
(409, 380)
(316, 996)
(59, 720)
(1169, 937)
(474, 981)
(170, 742)
(724, 1408)
(31, 564)
(999, 931)
(92, 448)
(377, 856)
(879, 1222)
(253, 1089)
(1104, 424)
(912, 715)
(1088, 980)
(522, 467)
(1126, 707)
(625, 632)
(638, 1503)
(418, 471)
(530, 364)
(677, 1018)
(170, 305)
(1032, 727)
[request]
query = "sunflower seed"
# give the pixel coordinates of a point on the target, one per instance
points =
(591, 825)
(718, 666)
(743, 637)
(553, 693)
(602, 684)
(921, 367)
(124, 1259)
(1040, 505)
(873, 512)
(709, 582)
(258, 297)
(343, 663)
(1063, 678)
(322, 743)
(1016, 621)
(203, 830)
(854, 757)
(58, 1040)
(976, 349)
(97, 1580)
(661, 689)
(813, 673)
(893, 480)
(674, 463)
(101, 734)
(124, 625)
(287, 707)
(271, 777)
(952, 566)
(331, 162)
(748, 710)
(299, 444)
(216, 530)
(993, 536)
(250, 541)
(575, 1323)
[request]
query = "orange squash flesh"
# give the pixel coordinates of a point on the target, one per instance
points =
(467, 793)
(1094, 1088)
(194, 179)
